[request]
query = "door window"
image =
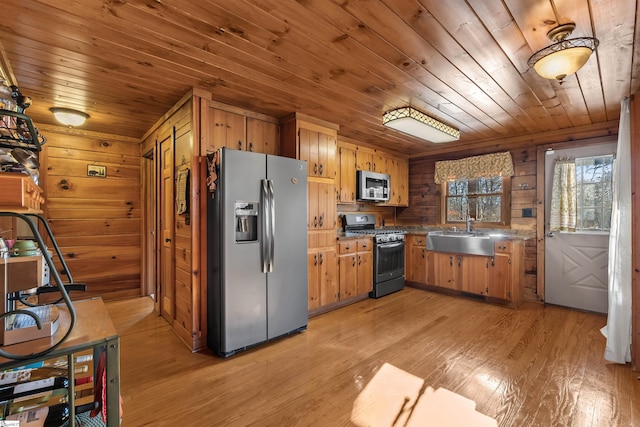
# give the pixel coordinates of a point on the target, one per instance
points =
(594, 192)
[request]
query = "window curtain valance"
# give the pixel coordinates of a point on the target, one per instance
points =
(496, 164)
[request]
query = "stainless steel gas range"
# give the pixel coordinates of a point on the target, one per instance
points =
(388, 252)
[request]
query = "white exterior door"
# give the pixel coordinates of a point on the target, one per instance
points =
(576, 262)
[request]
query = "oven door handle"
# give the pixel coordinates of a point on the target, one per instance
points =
(390, 245)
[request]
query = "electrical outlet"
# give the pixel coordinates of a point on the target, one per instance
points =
(527, 213)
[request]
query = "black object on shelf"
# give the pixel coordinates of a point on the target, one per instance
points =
(17, 131)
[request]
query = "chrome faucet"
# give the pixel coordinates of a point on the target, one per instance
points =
(469, 219)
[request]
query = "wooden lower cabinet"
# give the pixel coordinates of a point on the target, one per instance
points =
(419, 267)
(446, 270)
(355, 265)
(474, 273)
(500, 276)
(323, 278)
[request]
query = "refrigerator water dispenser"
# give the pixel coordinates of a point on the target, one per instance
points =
(246, 220)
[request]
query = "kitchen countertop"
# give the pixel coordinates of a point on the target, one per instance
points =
(423, 230)
(352, 236)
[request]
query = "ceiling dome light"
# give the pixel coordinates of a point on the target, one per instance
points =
(418, 124)
(69, 117)
(565, 56)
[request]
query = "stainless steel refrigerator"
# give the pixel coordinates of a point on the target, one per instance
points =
(257, 250)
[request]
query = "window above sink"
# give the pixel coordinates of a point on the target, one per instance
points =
(485, 200)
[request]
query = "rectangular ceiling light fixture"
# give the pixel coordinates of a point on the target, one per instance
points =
(416, 123)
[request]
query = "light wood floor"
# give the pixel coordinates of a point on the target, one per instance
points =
(535, 366)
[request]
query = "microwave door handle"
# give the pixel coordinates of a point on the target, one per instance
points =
(272, 228)
(264, 244)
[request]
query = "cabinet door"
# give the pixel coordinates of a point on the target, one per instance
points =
(313, 195)
(402, 182)
(347, 175)
(326, 206)
(309, 150)
(499, 280)
(418, 267)
(328, 277)
(392, 170)
(445, 270)
(348, 275)
(473, 274)
(262, 137)
(365, 273)
(227, 129)
(364, 160)
(327, 147)
(431, 272)
(379, 163)
(313, 262)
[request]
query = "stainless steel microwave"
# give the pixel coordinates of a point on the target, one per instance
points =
(372, 186)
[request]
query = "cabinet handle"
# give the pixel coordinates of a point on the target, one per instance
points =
(239, 145)
(423, 253)
(359, 260)
(168, 239)
(354, 262)
(493, 262)
(251, 146)
(364, 246)
(459, 261)
(321, 220)
(509, 261)
(347, 247)
(315, 259)
(502, 247)
(321, 168)
(321, 259)
(451, 261)
(315, 221)
(374, 167)
(315, 168)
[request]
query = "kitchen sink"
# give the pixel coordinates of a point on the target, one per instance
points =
(462, 242)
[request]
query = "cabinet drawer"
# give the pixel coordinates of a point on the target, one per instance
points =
(365, 245)
(348, 246)
(417, 240)
(504, 246)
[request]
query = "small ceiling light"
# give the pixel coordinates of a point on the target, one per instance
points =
(565, 56)
(69, 117)
(418, 124)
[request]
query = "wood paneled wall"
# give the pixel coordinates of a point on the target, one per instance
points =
(423, 193)
(96, 221)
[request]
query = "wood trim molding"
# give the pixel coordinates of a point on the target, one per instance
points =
(540, 210)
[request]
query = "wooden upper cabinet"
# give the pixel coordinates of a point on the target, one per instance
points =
(364, 160)
(313, 140)
(262, 136)
(379, 163)
(226, 129)
(241, 132)
(398, 171)
(319, 150)
(347, 184)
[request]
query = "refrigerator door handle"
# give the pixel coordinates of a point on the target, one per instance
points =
(272, 228)
(266, 224)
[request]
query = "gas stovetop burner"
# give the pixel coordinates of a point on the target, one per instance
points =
(365, 224)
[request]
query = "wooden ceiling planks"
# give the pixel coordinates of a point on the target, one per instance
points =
(463, 61)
